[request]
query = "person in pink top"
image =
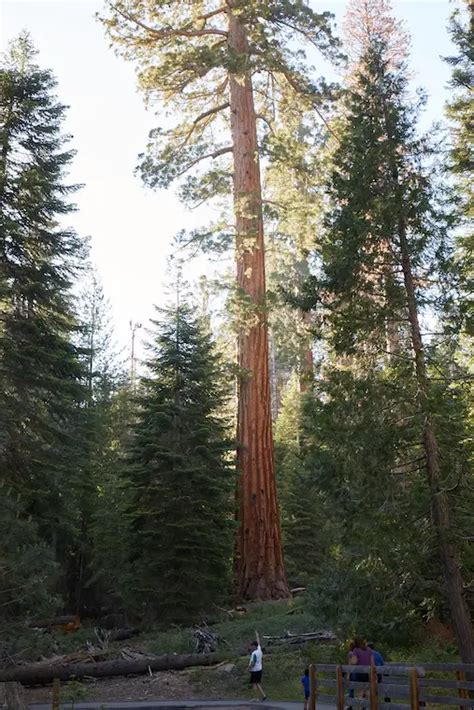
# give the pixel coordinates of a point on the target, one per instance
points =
(361, 655)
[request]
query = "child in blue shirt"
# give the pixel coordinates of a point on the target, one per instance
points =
(305, 684)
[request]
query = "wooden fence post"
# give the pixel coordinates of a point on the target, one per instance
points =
(312, 687)
(373, 688)
(56, 692)
(462, 692)
(340, 688)
(414, 695)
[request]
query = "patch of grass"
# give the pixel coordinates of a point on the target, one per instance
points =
(68, 643)
(283, 673)
(270, 619)
(430, 651)
(171, 641)
(73, 692)
(32, 645)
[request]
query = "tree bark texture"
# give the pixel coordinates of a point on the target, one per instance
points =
(459, 609)
(12, 696)
(38, 673)
(259, 557)
(306, 355)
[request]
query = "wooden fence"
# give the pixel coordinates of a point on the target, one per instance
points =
(392, 687)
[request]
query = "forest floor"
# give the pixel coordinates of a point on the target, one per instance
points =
(283, 664)
(228, 680)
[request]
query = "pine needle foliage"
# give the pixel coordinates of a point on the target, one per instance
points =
(461, 159)
(184, 59)
(40, 369)
(387, 261)
(380, 172)
(182, 475)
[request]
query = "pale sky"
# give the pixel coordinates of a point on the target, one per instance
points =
(131, 227)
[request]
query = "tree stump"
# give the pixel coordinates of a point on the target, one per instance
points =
(11, 695)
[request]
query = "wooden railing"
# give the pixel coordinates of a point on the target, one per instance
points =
(392, 687)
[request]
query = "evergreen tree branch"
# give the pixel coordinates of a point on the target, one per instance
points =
(310, 95)
(219, 11)
(167, 33)
(208, 156)
(211, 114)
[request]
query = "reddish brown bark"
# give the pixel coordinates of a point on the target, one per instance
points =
(459, 609)
(259, 558)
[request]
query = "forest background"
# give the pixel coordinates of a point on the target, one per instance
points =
(119, 488)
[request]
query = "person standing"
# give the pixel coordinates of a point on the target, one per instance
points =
(361, 655)
(378, 661)
(378, 658)
(256, 667)
(306, 687)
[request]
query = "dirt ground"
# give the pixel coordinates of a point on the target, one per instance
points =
(166, 685)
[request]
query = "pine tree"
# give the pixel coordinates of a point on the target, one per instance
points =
(212, 66)
(293, 210)
(387, 247)
(109, 573)
(102, 379)
(40, 370)
(307, 528)
(28, 571)
(456, 351)
(461, 160)
(358, 429)
(460, 106)
(181, 474)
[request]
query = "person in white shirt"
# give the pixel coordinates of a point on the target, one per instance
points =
(256, 667)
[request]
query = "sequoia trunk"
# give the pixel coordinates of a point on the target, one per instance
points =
(459, 609)
(259, 558)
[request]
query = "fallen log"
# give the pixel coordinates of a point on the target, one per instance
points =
(299, 639)
(53, 621)
(88, 656)
(66, 624)
(41, 673)
(290, 638)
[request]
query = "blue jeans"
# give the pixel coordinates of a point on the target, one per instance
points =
(352, 676)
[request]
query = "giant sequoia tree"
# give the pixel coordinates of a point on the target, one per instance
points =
(39, 367)
(220, 67)
(385, 257)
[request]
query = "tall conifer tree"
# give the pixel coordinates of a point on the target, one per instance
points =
(181, 473)
(39, 366)
(214, 65)
(386, 250)
(461, 159)
(103, 376)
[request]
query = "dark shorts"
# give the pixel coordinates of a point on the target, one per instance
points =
(306, 695)
(361, 677)
(255, 677)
